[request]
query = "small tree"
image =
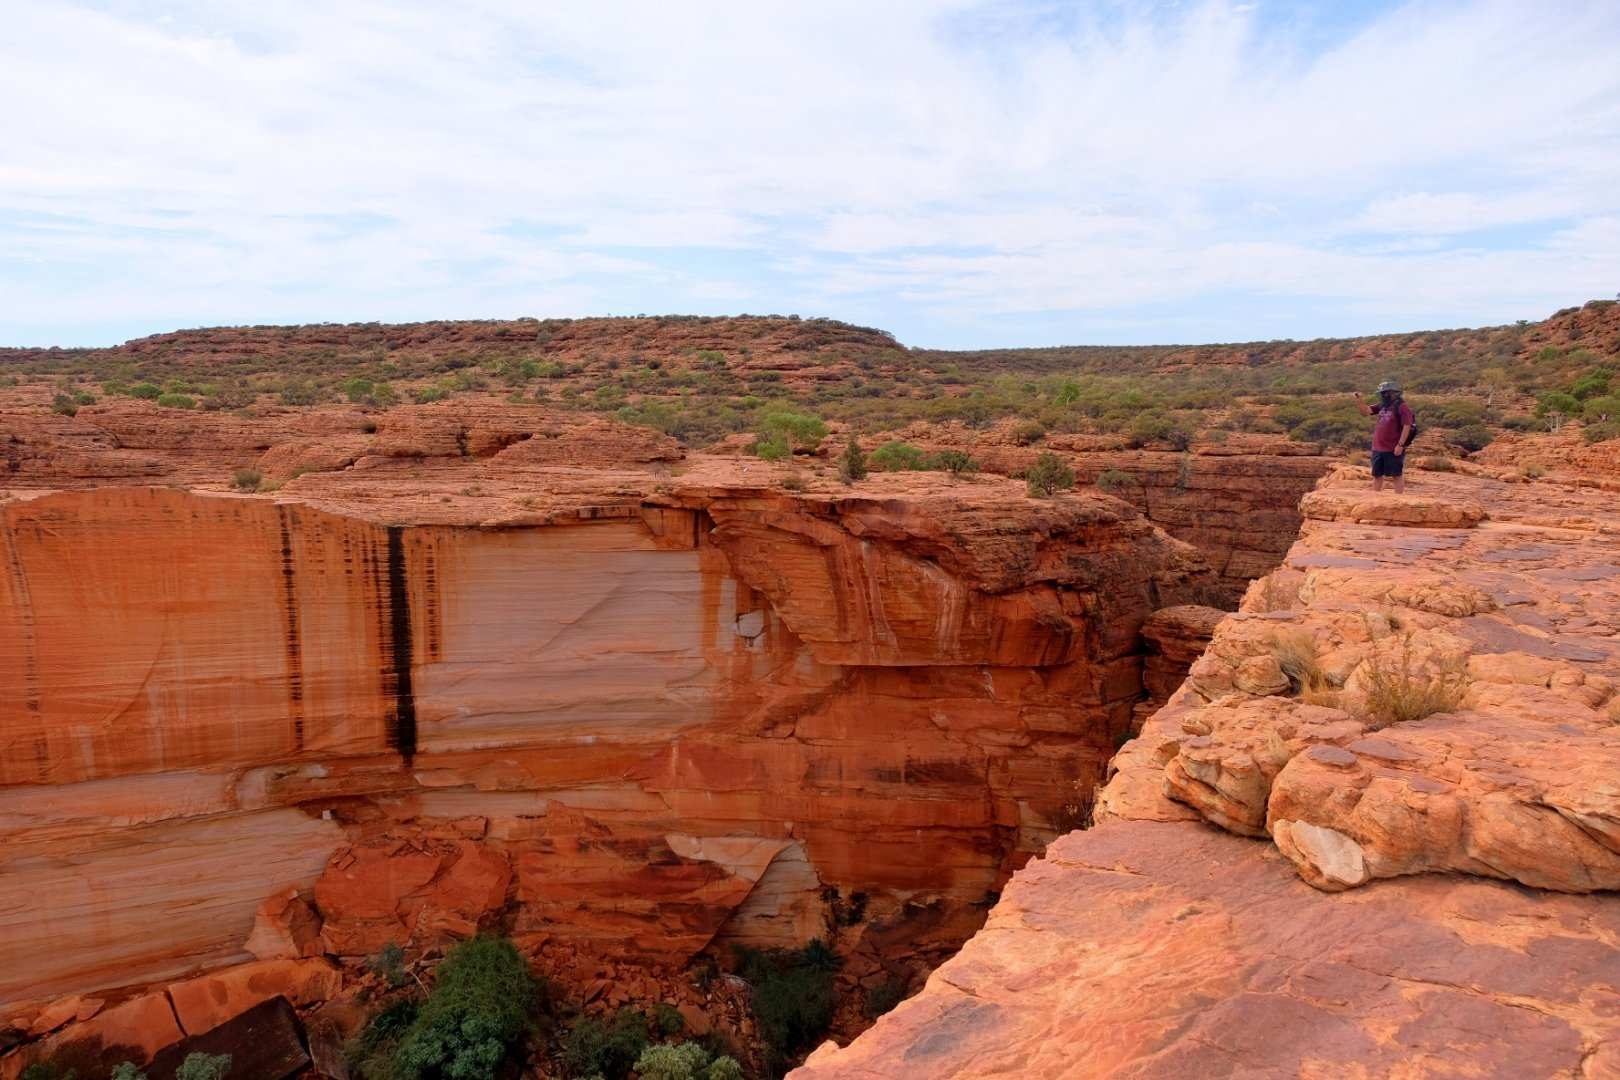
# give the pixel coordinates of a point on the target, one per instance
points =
(956, 462)
(1048, 476)
(852, 466)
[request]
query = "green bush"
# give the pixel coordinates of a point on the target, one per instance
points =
(201, 1066)
(1113, 480)
(389, 964)
(249, 480)
(800, 431)
(1471, 437)
(1598, 409)
(1596, 433)
(478, 1009)
(146, 391)
(429, 394)
(774, 447)
(63, 405)
(1029, 433)
(852, 466)
(299, 392)
(371, 1053)
(126, 1070)
(177, 401)
(1557, 402)
(667, 1019)
(956, 462)
(793, 997)
(1048, 476)
(686, 1061)
(1152, 427)
(898, 457)
(609, 1050)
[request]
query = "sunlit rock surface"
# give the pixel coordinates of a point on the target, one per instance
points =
(1280, 884)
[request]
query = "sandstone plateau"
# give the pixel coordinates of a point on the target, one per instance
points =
(639, 709)
(499, 663)
(1277, 886)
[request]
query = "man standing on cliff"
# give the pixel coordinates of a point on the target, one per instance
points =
(1390, 435)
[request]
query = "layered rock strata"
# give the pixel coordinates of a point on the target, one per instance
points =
(637, 712)
(1290, 879)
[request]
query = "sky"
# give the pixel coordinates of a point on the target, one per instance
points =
(962, 173)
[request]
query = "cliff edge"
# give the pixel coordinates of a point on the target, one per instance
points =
(1376, 833)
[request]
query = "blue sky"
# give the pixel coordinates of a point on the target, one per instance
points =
(962, 173)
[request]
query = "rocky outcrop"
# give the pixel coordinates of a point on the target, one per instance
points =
(1376, 832)
(636, 713)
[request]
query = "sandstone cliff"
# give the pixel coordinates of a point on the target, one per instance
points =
(634, 711)
(1287, 881)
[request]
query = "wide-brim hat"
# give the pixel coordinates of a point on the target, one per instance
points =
(1389, 384)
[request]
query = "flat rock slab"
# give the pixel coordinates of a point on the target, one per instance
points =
(1148, 949)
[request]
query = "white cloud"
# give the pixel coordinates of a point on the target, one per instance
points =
(925, 161)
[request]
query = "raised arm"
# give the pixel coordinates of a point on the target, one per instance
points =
(1369, 410)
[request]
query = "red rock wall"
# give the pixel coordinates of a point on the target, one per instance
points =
(635, 733)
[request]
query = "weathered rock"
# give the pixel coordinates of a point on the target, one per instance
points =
(661, 742)
(204, 1003)
(1145, 949)
(264, 1043)
(285, 928)
(1168, 948)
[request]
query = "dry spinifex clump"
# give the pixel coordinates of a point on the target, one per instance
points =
(1396, 689)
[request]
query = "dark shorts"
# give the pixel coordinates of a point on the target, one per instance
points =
(1387, 463)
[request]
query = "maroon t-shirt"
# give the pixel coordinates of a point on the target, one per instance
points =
(1392, 420)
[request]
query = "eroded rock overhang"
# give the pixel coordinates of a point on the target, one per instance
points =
(641, 717)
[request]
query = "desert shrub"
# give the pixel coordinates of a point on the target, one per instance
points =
(1396, 691)
(1029, 433)
(1471, 437)
(1532, 471)
(126, 1070)
(1048, 476)
(428, 394)
(371, 1053)
(1596, 433)
(1557, 403)
(145, 391)
(800, 430)
(232, 395)
(1594, 383)
(247, 480)
(884, 996)
(774, 447)
(898, 457)
(177, 401)
(852, 465)
(667, 1019)
(1151, 427)
(64, 405)
(793, 997)
(201, 1066)
(1114, 481)
(956, 462)
(477, 1011)
(1593, 410)
(389, 965)
(610, 1049)
(1335, 423)
(1438, 464)
(299, 392)
(1296, 653)
(684, 1061)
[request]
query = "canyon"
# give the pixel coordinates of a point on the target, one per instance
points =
(506, 665)
(640, 712)
(1276, 886)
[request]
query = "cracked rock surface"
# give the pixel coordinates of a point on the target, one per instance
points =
(1286, 879)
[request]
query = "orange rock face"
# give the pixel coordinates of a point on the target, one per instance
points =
(643, 715)
(1289, 881)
